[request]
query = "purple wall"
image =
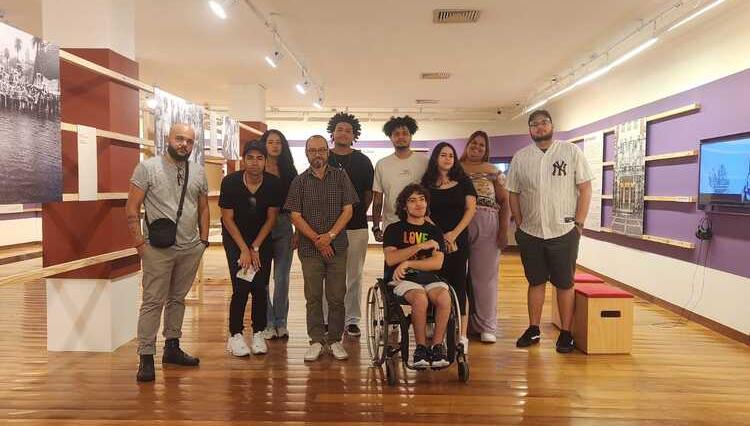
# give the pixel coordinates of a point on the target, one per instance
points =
(724, 111)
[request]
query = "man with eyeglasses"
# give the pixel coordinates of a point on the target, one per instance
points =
(550, 192)
(250, 201)
(174, 192)
(320, 201)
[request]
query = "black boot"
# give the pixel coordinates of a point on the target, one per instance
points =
(146, 371)
(174, 355)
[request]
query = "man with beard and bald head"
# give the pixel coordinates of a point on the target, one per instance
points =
(550, 191)
(174, 193)
(320, 201)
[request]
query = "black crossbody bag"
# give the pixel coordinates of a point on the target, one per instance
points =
(162, 232)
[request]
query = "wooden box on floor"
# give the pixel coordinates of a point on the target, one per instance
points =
(603, 320)
(579, 278)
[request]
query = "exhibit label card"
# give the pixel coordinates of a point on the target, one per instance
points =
(88, 186)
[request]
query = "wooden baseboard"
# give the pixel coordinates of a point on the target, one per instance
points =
(689, 315)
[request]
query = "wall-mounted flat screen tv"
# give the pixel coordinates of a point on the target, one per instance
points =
(725, 171)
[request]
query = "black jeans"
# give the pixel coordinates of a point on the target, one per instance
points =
(454, 270)
(241, 289)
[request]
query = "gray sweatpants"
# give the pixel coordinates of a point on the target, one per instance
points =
(168, 275)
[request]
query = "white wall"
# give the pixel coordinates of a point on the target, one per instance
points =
(428, 130)
(19, 231)
(711, 47)
(713, 294)
(106, 24)
(714, 45)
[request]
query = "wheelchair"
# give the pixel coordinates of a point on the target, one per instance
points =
(384, 312)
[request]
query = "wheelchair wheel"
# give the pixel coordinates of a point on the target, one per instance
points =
(390, 371)
(453, 331)
(376, 326)
(463, 369)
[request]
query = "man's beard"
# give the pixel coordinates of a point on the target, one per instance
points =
(175, 155)
(545, 137)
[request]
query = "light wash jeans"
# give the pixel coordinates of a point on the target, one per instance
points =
(278, 303)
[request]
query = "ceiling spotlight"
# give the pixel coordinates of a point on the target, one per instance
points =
(217, 7)
(274, 59)
(302, 87)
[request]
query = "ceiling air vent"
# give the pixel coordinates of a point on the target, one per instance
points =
(435, 75)
(427, 101)
(455, 16)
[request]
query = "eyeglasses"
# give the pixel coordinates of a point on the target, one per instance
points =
(541, 123)
(317, 151)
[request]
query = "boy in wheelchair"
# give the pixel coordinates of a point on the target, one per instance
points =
(413, 249)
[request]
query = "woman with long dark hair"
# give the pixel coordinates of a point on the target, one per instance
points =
(280, 164)
(452, 208)
(488, 234)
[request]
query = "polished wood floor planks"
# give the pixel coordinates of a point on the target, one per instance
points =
(678, 373)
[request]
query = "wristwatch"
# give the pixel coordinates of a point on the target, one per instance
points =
(375, 228)
(579, 224)
(255, 248)
(332, 235)
(205, 243)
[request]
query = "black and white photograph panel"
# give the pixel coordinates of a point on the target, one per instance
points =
(31, 160)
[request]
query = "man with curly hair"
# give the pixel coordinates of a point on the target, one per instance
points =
(344, 130)
(395, 171)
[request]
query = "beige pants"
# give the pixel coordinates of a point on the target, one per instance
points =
(168, 275)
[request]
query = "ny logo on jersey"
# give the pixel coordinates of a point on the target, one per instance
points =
(558, 169)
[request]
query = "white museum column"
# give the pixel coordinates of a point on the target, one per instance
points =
(247, 104)
(93, 308)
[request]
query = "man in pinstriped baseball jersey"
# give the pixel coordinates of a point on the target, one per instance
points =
(550, 192)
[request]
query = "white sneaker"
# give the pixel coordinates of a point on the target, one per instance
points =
(259, 344)
(236, 345)
(488, 338)
(269, 333)
(465, 341)
(282, 332)
(338, 351)
(313, 352)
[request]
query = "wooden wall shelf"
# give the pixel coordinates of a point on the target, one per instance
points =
(660, 240)
(110, 135)
(663, 198)
(660, 157)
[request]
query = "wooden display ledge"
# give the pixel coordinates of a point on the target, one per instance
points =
(655, 239)
(100, 196)
(110, 135)
(214, 160)
(664, 198)
(661, 157)
(66, 267)
(16, 209)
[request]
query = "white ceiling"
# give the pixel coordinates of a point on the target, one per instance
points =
(368, 54)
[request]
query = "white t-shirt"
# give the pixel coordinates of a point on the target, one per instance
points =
(392, 174)
(546, 186)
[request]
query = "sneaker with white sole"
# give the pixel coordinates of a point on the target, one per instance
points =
(313, 352)
(269, 333)
(488, 338)
(465, 342)
(259, 346)
(282, 332)
(338, 351)
(236, 345)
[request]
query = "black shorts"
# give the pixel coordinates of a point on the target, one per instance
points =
(552, 260)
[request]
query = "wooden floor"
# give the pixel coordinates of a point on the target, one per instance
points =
(678, 374)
